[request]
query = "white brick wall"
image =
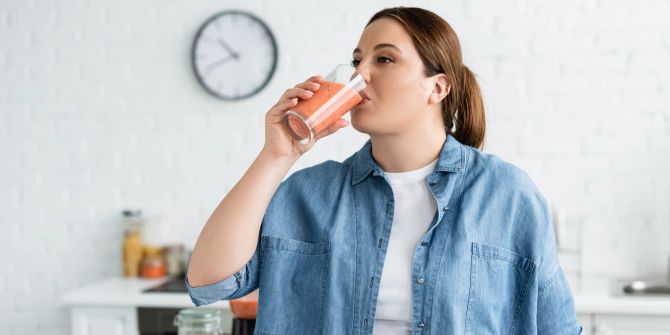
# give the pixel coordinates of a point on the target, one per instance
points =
(100, 110)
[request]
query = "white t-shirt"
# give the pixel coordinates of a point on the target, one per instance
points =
(415, 208)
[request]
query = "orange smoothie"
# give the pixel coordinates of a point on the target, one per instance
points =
(328, 104)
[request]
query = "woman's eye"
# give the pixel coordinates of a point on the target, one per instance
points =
(380, 59)
(384, 60)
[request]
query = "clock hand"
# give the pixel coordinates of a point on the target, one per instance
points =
(228, 48)
(219, 63)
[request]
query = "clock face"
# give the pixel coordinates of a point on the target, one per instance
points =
(234, 55)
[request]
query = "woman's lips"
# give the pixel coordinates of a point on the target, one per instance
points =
(362, 103)
(365, 98)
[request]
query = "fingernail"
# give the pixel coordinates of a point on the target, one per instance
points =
(309, 93)
(316, 85)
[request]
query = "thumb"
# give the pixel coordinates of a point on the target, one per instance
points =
(341, 123)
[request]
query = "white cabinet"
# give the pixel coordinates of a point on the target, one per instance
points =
(98, 320)
(123, 321)
(624, 324)
(586, 321)
(104, 321)
(110, 307)
(609, 324)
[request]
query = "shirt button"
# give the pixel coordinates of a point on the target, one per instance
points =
(424, 243)
(446, 208)
(421, 324)
(432, 183)
(420, 280)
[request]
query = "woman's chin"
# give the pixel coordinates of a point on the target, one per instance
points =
(359, 122)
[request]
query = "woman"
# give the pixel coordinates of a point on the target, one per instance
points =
(418, 231)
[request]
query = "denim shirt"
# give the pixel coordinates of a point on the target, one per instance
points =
(486, 265)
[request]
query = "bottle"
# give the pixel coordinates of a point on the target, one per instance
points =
(173, 259)
(132, 243)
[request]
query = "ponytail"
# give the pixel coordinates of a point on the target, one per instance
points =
(463, 110)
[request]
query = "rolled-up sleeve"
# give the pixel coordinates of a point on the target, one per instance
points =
(555, 307)
(236, 286)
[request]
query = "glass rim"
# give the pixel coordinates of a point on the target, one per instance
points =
(355, 79)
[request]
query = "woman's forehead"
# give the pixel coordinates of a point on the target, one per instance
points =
(384, 31)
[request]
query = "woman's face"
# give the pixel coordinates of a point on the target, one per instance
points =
(397, 88)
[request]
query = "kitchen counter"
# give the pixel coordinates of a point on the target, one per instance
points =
(129, 292)
(606, 296)
(596, 295)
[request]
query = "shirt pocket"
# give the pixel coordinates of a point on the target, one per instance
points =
(498, 283)
(292, 286)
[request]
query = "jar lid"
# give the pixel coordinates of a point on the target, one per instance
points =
(173, 248)
(152, 251)
(132, 212)
(133, 219)
(198, 318)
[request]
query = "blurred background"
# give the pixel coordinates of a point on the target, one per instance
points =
(101, 112)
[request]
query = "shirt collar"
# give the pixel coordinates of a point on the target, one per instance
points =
(452, 159)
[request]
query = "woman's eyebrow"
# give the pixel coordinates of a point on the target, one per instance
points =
(379, 46)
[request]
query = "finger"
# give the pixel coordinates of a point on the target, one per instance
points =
(297, 93)
(339, 124)
(309, 85)
(286, 99)
(289, 103)
(282, 106)
(315, 79)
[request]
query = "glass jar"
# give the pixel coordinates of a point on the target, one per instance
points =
(132, 242)
(153, 265)
(198, 322)
(173, 255)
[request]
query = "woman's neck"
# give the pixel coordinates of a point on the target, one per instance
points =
(407, 151)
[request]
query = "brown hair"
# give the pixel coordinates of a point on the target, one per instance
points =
(440, 51)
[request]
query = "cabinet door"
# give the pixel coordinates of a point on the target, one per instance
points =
(104, 321)
(586, 321)
(606, 324)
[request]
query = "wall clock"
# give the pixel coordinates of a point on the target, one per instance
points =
(234, 55)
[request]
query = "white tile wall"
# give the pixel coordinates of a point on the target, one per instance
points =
(100, 110)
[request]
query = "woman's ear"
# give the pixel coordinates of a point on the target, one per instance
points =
(441, 89)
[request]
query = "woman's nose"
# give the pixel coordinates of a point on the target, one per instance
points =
(363, 70)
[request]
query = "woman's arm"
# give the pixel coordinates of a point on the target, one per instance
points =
(229, 238)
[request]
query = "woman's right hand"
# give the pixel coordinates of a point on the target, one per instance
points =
(278, 141)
